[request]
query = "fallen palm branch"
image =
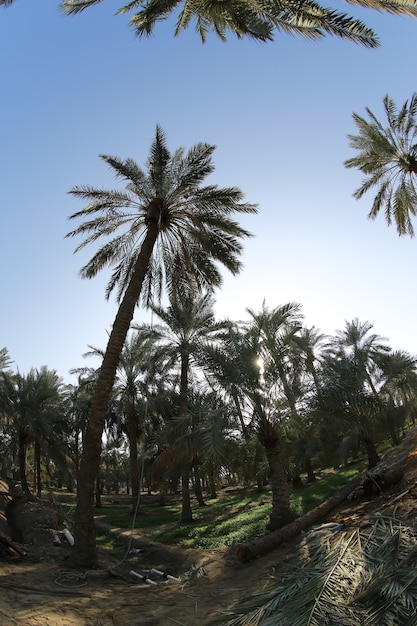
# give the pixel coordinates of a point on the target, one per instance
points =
(364, 485)
(362, 578)
(9, 550)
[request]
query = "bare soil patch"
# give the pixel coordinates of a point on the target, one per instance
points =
(40, 589)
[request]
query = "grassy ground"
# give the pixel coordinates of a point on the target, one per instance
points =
(236, 516)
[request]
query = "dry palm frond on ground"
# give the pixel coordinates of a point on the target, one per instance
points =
(363, 577)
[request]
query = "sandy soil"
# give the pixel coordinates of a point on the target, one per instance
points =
(41, 590)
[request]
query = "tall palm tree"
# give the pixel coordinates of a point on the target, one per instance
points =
(387, 155)
(254, 370)
(188, 325)
(276, 331)
(168, 230)
(351, 381)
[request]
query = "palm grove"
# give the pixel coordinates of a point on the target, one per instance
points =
(196, 391)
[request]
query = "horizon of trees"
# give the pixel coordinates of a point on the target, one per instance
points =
(266, 400)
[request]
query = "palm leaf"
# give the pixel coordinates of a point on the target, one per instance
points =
(361, 578)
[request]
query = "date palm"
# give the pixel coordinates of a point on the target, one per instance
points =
(127, 399)
(164, 229)
(351, 381)
(34, 407)
(387, 155)
(276, 332)
(363, 348)
(188, 326)
(253, 18)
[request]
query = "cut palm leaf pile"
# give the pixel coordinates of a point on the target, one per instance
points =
(363, 577)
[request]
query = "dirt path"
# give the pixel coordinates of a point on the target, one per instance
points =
(42, 594)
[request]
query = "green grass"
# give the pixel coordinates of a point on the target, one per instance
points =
(234, 518)
(304, 500)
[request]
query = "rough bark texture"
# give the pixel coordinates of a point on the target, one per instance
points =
(186, 511)
(373, 457)
(85, 550)
(133, 453)
(281, 513)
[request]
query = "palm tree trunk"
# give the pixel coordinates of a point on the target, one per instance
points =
(311, 477)
(281, 513)
(212, 482)
(133, 454)
(22, 466)
(197, 485)
(38, 481)
(85, 550)
(373, 456)
(186, 512)
(77, 454)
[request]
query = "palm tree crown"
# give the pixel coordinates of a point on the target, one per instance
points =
(388, 158)
(254, 18)
(194, 225)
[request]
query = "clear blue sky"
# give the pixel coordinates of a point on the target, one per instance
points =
(279, 113)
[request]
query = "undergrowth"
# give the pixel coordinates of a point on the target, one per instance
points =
(228, 520)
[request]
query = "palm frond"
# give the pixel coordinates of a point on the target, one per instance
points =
(388, 157)
(72, 7)
(361, 578)
(395, 7)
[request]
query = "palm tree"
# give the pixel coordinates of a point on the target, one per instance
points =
(135, 377)
(79, 399)
(34, 405)
(388, 158)
(189, 325)
(351, 381)
(171, 231)
(253, 368)
(253, 18)
(363, 348)
(276, 332)
(231, 365)
(398, 389)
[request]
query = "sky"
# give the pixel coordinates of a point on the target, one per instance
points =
(73, 88)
